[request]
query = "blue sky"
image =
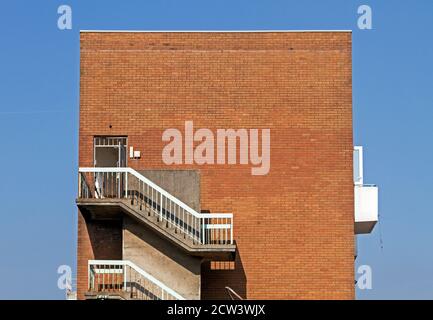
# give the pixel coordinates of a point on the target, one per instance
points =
(39, 99)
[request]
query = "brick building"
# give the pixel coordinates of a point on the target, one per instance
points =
(152, 228)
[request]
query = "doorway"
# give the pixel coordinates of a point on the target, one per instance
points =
(110, 152)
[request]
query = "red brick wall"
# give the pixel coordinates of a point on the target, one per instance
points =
(96, 240)
(294, 226)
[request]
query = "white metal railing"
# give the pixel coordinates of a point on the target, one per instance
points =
(233, 294)
(123, 276)
(358, 166)
(126, 183)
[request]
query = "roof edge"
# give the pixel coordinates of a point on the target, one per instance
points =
(213, 31)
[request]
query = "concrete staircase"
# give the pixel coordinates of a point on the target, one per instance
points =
(146, 214)
(125, 194)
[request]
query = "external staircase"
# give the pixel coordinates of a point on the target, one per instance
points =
(113, 191)
(123, 280)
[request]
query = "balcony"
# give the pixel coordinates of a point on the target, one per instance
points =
(366, 197)
(366, 208)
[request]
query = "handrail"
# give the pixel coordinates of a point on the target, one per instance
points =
(231, 291)
(140, 271)
(205, 228)
(157, 188)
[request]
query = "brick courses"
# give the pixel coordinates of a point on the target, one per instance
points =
(294, 226)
